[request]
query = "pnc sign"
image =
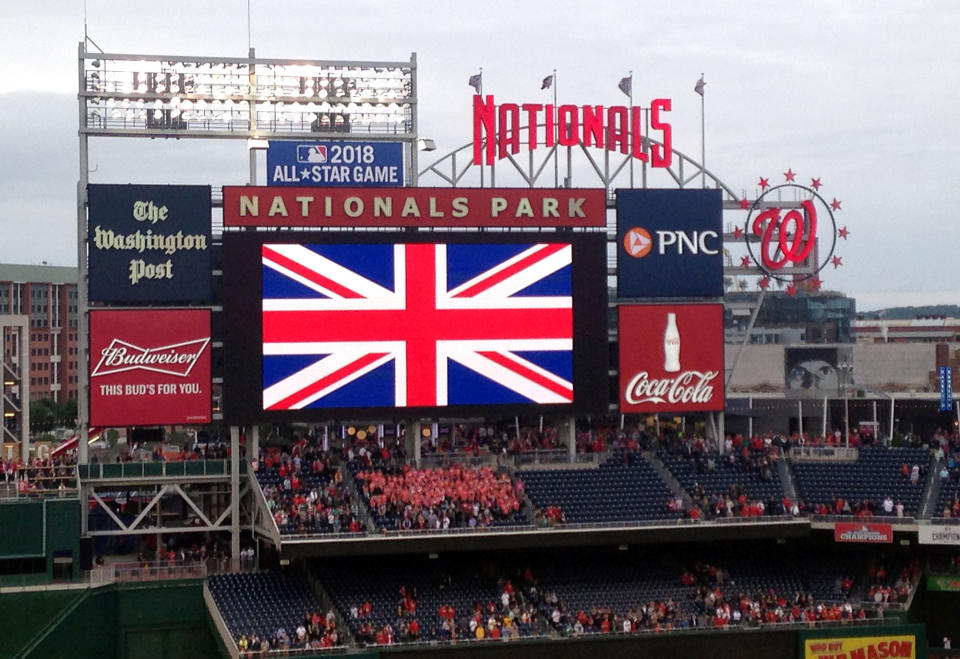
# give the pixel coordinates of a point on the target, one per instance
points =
(498, 130)
(670, 243)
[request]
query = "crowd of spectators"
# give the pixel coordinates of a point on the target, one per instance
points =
(407, 498)
(313, 632)
(305, 493)
(719, 602)
(884, 589)
(511, 615)
(41, 477)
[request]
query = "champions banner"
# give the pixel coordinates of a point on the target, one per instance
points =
(857, 532)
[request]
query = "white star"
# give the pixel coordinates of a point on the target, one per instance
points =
(304, 174)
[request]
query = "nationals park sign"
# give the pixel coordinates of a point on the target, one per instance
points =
(407, 207)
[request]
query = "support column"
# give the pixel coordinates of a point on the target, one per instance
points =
(235, 498)
(572, 440)
(893, 404)
(750, 418)
(253, 446)
(411, 444)
(800, 415)
(823, 426)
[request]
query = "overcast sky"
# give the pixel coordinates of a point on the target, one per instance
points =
(862, 95)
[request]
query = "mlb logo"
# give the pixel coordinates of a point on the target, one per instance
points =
(311, 153)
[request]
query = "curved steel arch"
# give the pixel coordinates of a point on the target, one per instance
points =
(451, 169)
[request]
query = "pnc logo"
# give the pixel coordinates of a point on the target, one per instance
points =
(637, 242)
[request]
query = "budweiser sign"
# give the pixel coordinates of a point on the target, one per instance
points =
(150, 367)
(687, 387)
(177, 359)
(671, 358)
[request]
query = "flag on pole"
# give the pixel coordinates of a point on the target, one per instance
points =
(626, 85)
(547, 82)
(476, 81)
(699, 86)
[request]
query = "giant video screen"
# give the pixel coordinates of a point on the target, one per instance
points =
(347, 325)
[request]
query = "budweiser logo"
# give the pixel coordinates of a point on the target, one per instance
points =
(685, 387)
(175, 359)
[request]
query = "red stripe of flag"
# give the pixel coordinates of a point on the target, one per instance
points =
(308, 274)
(351, 368)
(497, 277)
(528, 373)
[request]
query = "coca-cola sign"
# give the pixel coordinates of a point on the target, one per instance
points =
(671, 358)
(150, 367)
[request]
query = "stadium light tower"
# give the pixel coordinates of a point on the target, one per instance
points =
(234, 98)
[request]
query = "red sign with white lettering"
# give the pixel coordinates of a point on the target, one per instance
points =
(863, 532)
(413, 207)
(671, 358)
(149, 367)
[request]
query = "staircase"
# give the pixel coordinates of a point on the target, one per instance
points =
(786, 479)
(931, 489)
(667, 477)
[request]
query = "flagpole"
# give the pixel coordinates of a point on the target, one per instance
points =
(632, 132)
(703, 142)
(482, 166)
(556, 141)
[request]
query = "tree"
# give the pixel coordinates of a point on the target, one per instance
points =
(43, 414)
(68, 413)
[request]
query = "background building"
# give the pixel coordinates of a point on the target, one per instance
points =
(48, 296)
(807, 317)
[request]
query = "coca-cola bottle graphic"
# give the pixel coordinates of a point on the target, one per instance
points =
(671, 345)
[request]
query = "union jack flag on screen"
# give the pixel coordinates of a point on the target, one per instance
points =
(416, 325)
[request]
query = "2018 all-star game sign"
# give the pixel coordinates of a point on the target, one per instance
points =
(150, 367)
(671, 358)
(335, 164)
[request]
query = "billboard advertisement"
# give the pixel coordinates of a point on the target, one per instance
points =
(335, 164)
(863, 532)
(253, 206)
(903, 646)
(149, 243)
(946, 388)
(669, 243)
(815, 372)
(342, 325)
(671, 358)
(150, 367)
(938, 534)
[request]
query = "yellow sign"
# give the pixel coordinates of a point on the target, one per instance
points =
(42, 450)
(11, 451)
(861, 647)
